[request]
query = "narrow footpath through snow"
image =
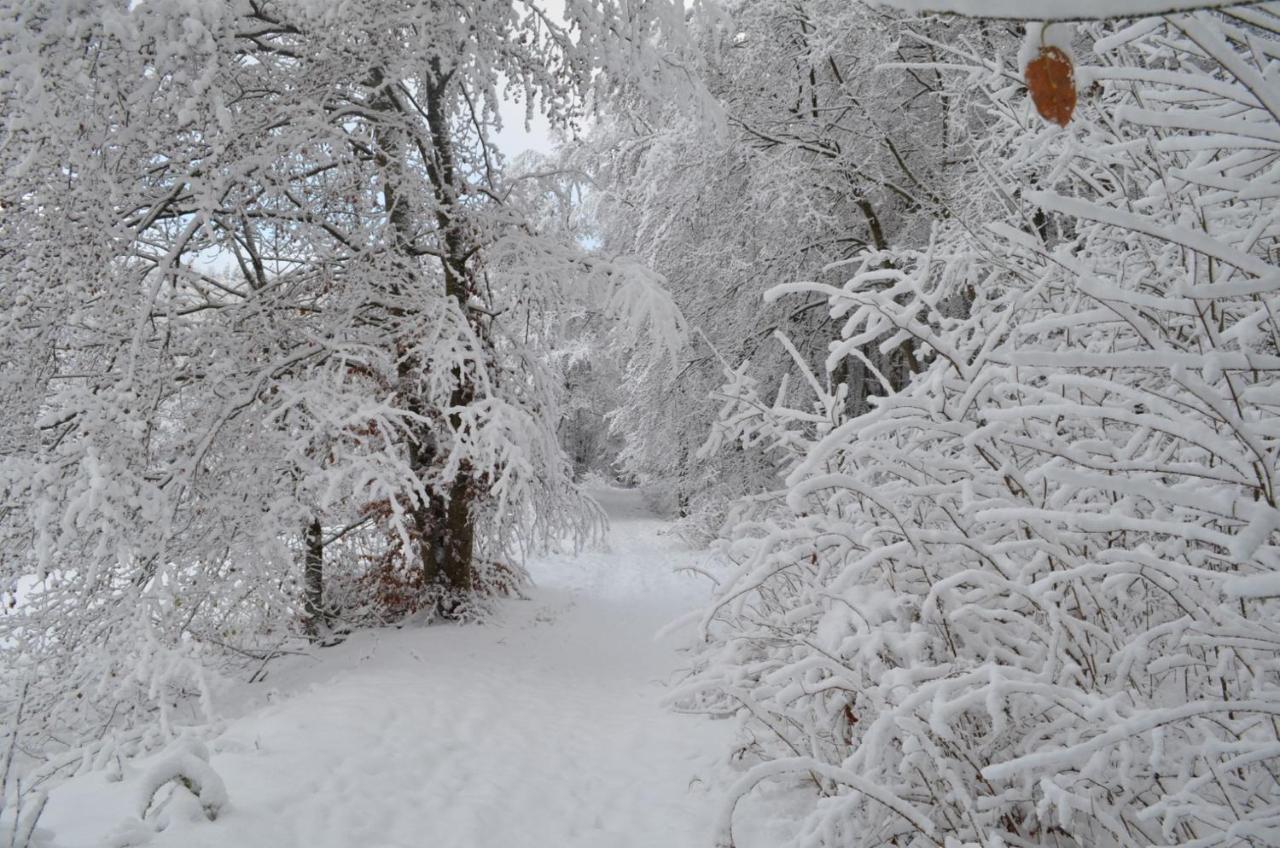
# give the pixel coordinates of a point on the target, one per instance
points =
(541, 729)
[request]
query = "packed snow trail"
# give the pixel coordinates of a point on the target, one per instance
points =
(541, 729)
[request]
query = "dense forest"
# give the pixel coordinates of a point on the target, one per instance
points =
(947, 329)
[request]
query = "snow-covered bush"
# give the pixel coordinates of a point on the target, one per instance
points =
(1033, 597)
(196, 791)
(21, 800)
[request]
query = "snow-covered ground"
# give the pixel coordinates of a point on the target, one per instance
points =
(542, 728)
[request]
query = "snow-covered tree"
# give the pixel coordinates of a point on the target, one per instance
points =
(814, 152)
(273, 312)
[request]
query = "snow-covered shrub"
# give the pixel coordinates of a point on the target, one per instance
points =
(196, 791)
(21, 800)
(1033, 597)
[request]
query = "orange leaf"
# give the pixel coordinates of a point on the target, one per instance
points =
(1052, 83)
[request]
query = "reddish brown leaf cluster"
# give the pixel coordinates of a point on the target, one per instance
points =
(1051, 80)
(393, 584)
(394, 590)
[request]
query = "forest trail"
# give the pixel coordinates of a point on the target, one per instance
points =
(541, 729)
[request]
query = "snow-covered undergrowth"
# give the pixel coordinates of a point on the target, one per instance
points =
(542, 728)
(1031, 598)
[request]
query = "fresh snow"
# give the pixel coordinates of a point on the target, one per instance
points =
(544, 727)
(1056, 10)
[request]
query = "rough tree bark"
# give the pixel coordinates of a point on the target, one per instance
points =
(316, 625)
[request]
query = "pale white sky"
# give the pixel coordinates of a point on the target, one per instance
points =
(514, 139)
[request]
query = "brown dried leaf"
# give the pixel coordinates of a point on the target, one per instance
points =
(1052, 82)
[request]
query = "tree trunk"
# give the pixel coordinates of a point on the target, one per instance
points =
(458, 565)
(459, 549)
(316, 625)
(430, 514)
(444, 525)
(429, 519)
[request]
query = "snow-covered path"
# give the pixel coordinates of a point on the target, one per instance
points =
(543, 728)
